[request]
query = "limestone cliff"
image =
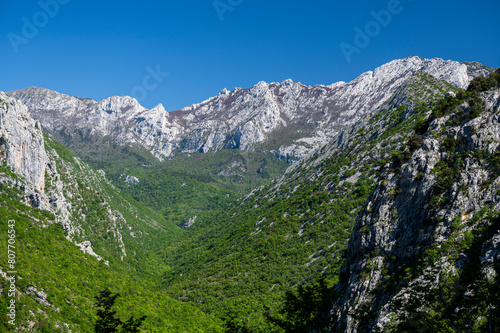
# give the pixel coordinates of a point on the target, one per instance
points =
(21, 141)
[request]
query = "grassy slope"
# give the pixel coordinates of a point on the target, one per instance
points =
(46, 260)
(201, 184)
(198, 185)
(104, 215)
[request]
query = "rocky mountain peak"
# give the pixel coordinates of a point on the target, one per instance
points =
(287, 119)
(159, 109)
(127, 105)
(447, 70)
(41, 98)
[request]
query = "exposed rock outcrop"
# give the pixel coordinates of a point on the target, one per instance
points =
(21, 141)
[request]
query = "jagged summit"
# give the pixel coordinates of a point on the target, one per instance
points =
(159, 109)
(286, 118)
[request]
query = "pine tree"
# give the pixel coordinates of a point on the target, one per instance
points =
(107, 320)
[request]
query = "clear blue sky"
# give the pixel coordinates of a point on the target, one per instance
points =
(102, 48)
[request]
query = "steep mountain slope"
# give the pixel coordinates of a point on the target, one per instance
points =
(287, 118)
(425, 250)
(56, 282)
(75, 234)
(296, 229)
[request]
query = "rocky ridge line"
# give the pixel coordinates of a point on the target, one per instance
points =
(288, 119)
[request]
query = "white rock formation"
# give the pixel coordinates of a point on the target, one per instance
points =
(287, 118)
(21, 141)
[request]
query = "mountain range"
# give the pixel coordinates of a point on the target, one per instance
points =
(385, 216)
(288, 119)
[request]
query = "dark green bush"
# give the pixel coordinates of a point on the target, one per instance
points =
(415, 142)
(307, 310)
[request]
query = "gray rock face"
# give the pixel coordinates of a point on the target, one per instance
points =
(40, 297)
(190, 222)
(21, 141)
(22, 147)
(86, 247)
(474, 68)
(287, 118)
(132, 180)
(403, 218)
